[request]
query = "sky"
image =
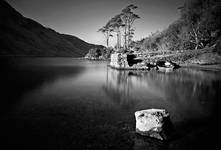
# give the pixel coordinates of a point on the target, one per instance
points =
(83, 18)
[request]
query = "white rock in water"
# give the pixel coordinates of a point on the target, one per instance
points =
(151, 122)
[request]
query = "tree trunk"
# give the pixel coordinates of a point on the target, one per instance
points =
(106, 34)
(196, 38)
(119, 39)
(107, 42)
(129, 39)
(197, 42)
(125, 37)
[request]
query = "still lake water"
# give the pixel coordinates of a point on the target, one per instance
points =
(65, 103)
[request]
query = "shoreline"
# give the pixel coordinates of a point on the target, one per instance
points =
(184, 65)
(208, 67)
(20, 56)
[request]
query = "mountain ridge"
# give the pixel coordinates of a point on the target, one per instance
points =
(21, 36)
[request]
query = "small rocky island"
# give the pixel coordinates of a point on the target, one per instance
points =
(156, 60)
(186, 41)
(136, 61)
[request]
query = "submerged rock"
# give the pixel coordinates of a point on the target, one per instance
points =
(166, 64)
(153, 123)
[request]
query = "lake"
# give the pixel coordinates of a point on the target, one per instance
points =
(67, 103)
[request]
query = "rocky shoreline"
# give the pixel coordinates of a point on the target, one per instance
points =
(129, 61)
(204, 58)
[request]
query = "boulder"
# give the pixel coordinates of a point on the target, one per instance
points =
(153, 123)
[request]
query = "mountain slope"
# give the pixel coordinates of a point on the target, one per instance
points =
(20, 36)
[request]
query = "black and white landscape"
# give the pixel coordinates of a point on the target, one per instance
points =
(22, 36)
(101, 74)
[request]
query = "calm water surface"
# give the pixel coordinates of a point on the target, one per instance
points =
(65, 103)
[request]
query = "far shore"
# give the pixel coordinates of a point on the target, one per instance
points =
(186, 65)
(19, 56)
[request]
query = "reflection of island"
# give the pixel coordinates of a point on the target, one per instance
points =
(118, 86)
(182, 92)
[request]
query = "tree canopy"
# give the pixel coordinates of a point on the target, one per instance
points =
(121, 22)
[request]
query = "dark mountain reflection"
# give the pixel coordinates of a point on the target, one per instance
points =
(20, 75)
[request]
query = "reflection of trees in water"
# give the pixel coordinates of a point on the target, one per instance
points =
(184, 90)
(118, 87)
(192, 93)
(190, 84)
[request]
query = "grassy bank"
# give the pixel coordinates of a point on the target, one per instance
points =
(202, 57)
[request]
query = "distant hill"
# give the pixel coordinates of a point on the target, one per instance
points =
(21, 36)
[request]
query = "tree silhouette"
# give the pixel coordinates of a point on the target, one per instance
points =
(106, 30)
(128, 17)
(124, 20)
(116, 23)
